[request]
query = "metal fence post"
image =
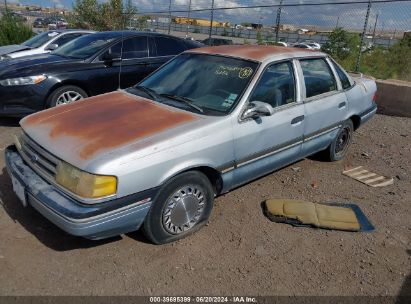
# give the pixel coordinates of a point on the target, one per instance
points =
(188, 17)
(277, 22)
(357, 65)
(169, 17)
(211, 19)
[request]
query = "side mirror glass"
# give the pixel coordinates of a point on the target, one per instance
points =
(257, 109)
(52, 47)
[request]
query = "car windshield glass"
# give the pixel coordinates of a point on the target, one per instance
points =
(83, 47)
(212, 83)
(40, 39)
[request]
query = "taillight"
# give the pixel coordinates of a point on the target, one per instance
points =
(374, 98)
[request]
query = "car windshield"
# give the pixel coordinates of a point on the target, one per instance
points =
(40, 39)
(84, 47)
(209, 82)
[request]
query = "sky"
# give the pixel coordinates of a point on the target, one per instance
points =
(391, 16)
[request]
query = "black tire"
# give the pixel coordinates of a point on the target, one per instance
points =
(54, 97)
(155, 227)
(339, 147)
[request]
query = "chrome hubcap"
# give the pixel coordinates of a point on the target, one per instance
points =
(67, 97)
(183, 209)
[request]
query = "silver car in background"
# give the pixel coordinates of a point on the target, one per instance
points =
(41, 43)
(156, 155)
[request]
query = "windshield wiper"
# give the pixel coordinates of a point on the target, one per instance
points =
(184, 100)
(150, 92)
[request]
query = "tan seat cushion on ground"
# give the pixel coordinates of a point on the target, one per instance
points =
(318, 215)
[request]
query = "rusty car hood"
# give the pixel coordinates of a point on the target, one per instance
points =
(80, 132)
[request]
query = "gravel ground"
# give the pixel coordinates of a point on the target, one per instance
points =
(240, 252)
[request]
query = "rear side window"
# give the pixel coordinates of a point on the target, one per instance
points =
(168, 46)
(345, 82)
(318, 77)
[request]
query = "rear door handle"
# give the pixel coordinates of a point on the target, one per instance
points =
(342, 105)
(297, 120)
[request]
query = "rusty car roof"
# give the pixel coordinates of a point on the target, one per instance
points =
(255, 52)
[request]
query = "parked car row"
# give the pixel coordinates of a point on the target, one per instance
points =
(156, 154)
(53, 23)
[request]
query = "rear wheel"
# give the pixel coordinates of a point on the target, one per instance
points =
(339, 147)
(65, 95)
(182, 207)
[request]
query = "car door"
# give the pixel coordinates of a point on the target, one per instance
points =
(103, 76)
(134, 61)
(325, 104)
(267, 143)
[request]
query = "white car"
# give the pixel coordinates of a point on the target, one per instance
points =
(41, 43)
(303, 46)
(314, 45)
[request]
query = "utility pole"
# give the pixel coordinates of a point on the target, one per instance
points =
(277, 22)
(211, 19)
(188, 17)
(338, 22)
(169, 17)
(357, 65)
(5, 4)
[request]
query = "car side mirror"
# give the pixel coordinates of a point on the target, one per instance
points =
(257, 109)
(111, 57)
(52, 47)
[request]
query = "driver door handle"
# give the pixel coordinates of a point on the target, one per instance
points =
(297, 120)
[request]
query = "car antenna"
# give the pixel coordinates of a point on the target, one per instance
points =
(121, 59)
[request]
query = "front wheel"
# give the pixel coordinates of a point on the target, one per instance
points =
(66, 94)
(182, 207)
(339, 147)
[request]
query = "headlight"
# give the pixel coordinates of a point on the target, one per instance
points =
(85, 184)
(23, 80)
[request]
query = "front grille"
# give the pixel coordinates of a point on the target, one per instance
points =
(38, 158)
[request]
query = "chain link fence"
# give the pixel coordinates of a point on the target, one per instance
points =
(376, 23)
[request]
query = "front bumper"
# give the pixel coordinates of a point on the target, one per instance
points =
(23, 100)
(90, 221)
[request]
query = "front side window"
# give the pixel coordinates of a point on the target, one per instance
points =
(318, 77)
(213, 83)
(135, 48)
(276, 85)
(168, 46)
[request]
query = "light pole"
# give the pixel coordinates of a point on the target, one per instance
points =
(188, 17)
